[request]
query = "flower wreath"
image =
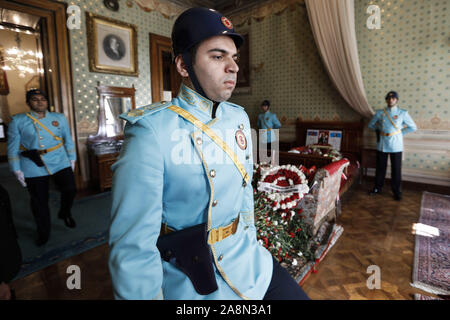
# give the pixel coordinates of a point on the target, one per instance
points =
(285, 184)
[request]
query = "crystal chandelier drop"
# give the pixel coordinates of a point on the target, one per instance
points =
(23, 61)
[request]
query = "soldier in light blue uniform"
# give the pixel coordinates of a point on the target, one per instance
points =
(182, 224)
(391, 123)
(39, 146)
(268, 122)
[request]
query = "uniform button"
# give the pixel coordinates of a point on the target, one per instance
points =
(212, 173)
(42, 146)
(246, 227)
(241, 126)
(247, 157)
(220, 258)
(199, 141)
(215, 203)
(244, 184)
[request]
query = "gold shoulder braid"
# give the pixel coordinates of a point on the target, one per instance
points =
(210, 133)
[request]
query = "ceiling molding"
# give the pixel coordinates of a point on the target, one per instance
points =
(226, 7)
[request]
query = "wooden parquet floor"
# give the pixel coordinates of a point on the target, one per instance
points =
(377, 231)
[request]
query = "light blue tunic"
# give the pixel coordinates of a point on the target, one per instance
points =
(170, 172)
(268, 121)
(24, 131)
(401, 123)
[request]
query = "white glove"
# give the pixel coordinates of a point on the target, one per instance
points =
(72, 163)
(20, 177)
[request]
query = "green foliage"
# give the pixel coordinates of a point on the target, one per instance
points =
(283, 232)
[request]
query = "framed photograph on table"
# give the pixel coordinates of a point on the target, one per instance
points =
(112, 46)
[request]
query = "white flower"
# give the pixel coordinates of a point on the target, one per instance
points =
(283, 206)
(294, 262)
(300, 254)
(260, 242)
(275, 223)
(289, 205)
(278, 244)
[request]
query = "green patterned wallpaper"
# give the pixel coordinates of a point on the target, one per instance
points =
(84, 82)
(409, 54)
(293, 77)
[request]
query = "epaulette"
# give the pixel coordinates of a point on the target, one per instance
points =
(133, 116)
(235, 105)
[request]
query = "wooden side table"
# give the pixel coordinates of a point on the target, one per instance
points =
(100, 166)
(368, 160)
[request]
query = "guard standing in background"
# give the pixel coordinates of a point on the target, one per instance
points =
(392, 123)
(268, 121)
(39, 147)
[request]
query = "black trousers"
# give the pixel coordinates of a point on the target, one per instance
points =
(38, 189)
(283, 286)
(396, 170)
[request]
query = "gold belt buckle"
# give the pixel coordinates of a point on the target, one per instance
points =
(221, 233)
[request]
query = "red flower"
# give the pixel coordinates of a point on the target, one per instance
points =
(298, 230)
(283, 183)
(292, 235)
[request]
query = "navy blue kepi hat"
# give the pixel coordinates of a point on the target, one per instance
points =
(34, 92)
(197, 24)
(192, 27)
(392, 94)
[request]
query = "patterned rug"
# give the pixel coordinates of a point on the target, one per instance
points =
(431, 270)
(419, 296)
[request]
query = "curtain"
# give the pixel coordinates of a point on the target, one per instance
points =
(333, 26)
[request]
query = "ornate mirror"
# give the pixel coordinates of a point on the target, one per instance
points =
(113, 101)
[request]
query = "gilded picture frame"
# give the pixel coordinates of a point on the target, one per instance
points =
(243, 84)
(112, 46)
(4, 88)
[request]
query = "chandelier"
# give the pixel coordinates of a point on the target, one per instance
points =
(23, 61)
